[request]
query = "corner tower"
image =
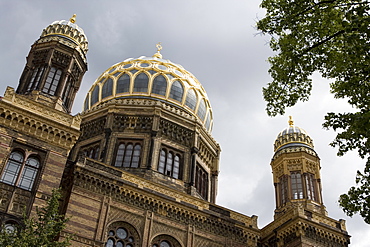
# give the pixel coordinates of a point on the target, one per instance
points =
(55, 65)
(37, 131)
(300, 216)
(296, 171)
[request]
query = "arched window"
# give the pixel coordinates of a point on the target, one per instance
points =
(141, 83)
(310, 185)
(123, 84)
(86, 103)
(11, 226)
(191, 99)
(92, 151)
(201, 181)
(66, 92)
(122, 234)
(208, 121)
(177, 91)
(128, 155)
(202, 109)
(165, 241)
(284, 189)
(159, 85)
(52, 81)
(107, 89)
(95, 95)
(21, 171)
(296, 183)
(169, 163)
(35, 79)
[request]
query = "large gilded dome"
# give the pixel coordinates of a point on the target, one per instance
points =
(155, 78)
(293, 136)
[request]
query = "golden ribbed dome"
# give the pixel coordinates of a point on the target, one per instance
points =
(155, 78)
(291, 137)
(70, 31)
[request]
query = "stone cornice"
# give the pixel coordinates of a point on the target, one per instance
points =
(35, 119)
(297, 217)
(123, 182)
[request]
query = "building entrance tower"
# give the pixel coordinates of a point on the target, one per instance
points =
(300, 216)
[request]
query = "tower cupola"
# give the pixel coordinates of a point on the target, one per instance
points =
(55, 65)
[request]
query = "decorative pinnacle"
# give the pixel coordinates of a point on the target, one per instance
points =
(291, 122)
(158, 53)
(73, 18)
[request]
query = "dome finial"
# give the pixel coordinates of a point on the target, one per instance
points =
(158, 53)
(291, 122)
(73, 18)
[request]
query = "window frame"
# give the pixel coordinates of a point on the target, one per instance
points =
(296, 184)
(201, 181)
(91, 151)
(131, 238)
(310, 182)
(25, 171)
(170, 163)
(52, 81)
(126, 157)
(36, 77)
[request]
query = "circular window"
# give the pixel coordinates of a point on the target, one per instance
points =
(165, 244)
(10, 227)
(121, 233)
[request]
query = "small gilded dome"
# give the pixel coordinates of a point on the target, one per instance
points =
(154, 78)
(291, 137)
(66, 29)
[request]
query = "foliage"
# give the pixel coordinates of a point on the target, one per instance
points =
(358, 200)
(42, 231)
(333, 38)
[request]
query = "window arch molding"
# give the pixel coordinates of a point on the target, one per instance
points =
(164, 240)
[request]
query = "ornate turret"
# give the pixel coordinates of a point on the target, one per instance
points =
(300, 216)
(296, 170)
(55, 65)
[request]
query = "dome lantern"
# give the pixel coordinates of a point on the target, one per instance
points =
(292, 136)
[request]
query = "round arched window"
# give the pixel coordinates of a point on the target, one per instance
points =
(165, 241)
(163, 244)
(121, 234)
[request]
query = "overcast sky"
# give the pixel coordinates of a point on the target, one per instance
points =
(218, 43)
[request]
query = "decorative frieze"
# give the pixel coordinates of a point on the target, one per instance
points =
(176, 132)
(31, 118)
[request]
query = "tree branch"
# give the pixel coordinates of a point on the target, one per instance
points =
(322, 41)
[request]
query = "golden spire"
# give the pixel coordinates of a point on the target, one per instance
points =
(291, 122)
(73, 18)
(158, 53)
